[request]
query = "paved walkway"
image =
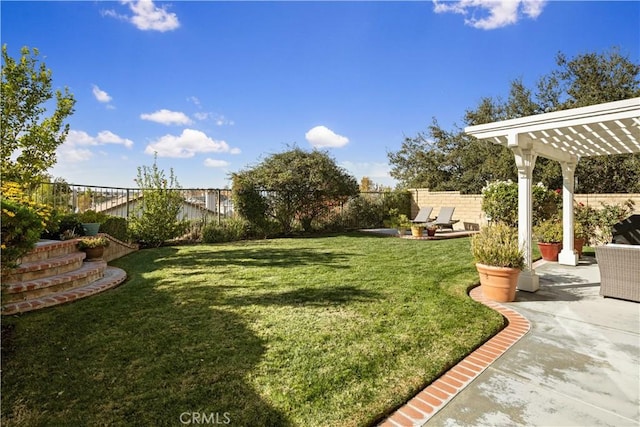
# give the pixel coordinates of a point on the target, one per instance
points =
(579, 365)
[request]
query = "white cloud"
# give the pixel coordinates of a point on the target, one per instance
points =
(218, 119)
(493, 13)
(101, 95)
(188, 144)
(213, 163)
(75, 146)
(167, 117)
(146, 16)
(194, 99)
(321, 136)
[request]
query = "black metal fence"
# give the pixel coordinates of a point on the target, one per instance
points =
(202, 205)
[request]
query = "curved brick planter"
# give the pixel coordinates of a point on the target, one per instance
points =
(419, 409)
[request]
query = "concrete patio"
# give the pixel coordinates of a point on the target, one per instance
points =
(579, 364)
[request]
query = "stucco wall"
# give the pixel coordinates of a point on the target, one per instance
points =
(468, 206)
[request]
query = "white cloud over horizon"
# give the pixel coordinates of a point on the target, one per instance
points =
(167, 117)
(189, 143)
(491, 14)
(75, 147)
(215, 163)
(321, 137)
(147, 16)
(376, 171)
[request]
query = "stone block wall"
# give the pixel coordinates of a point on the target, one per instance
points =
(469, 206)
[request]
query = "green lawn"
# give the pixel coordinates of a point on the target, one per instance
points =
(323, 331)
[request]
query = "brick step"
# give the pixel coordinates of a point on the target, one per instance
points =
(46, 249)
(28, 271)
(112, 277)
(87, 273)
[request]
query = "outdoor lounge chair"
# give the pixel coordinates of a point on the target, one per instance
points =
(424, 215)
(444, 219)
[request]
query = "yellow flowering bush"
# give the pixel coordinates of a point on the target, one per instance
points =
(23, 220)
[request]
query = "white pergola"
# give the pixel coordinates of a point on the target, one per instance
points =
(565, 136)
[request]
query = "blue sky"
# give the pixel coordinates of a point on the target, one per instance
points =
(214, 87)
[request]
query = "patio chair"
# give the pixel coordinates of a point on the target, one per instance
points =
(444, 219)
(424, 215)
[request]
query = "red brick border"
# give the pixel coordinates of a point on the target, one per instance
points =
(419, 409)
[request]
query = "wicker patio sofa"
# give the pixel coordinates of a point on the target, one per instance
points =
(619, 271)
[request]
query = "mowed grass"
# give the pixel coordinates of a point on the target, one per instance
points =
(327, 331)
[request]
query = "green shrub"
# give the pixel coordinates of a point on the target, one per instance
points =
(400, 200)
(155, 218)
(365, 212)
(21, 229)
(608, 216)
(229, 230)
(71, 224)
(500, 202)
(116, 227)
(91, 216)
(549, 231)
(250, 204)
(497, 245)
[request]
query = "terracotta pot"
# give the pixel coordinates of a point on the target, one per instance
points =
(550, 251)
(498, 283)
(578, 243)
(431, 232)
(94, 254)
(416, 231)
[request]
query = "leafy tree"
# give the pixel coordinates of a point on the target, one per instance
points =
(451, 160)
(299, 185)
(29, 140)
(155, 218)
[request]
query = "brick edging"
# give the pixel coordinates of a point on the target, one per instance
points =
(419, 409)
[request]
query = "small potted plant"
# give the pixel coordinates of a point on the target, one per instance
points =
(417, 230)
(91, 221)
(549, 236)
(399, 221)
(499, 261)
(93, 246)
(431, 230)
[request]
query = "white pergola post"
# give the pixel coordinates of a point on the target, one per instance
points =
(525, 161)
(567, 256)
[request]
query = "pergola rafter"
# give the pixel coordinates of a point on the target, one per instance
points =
(565, 136)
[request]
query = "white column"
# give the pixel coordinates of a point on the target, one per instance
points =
(525, 161)
(567, 256)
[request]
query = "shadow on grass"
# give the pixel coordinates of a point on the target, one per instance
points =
(329, 297)
(260, 256)
(133, 356)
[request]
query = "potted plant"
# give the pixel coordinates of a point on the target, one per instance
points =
(91, 221)
(416, 230)
(499, 261)
(431, 230)
(549, 236)
(403, 224)
(93, 246)
(399, 221)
